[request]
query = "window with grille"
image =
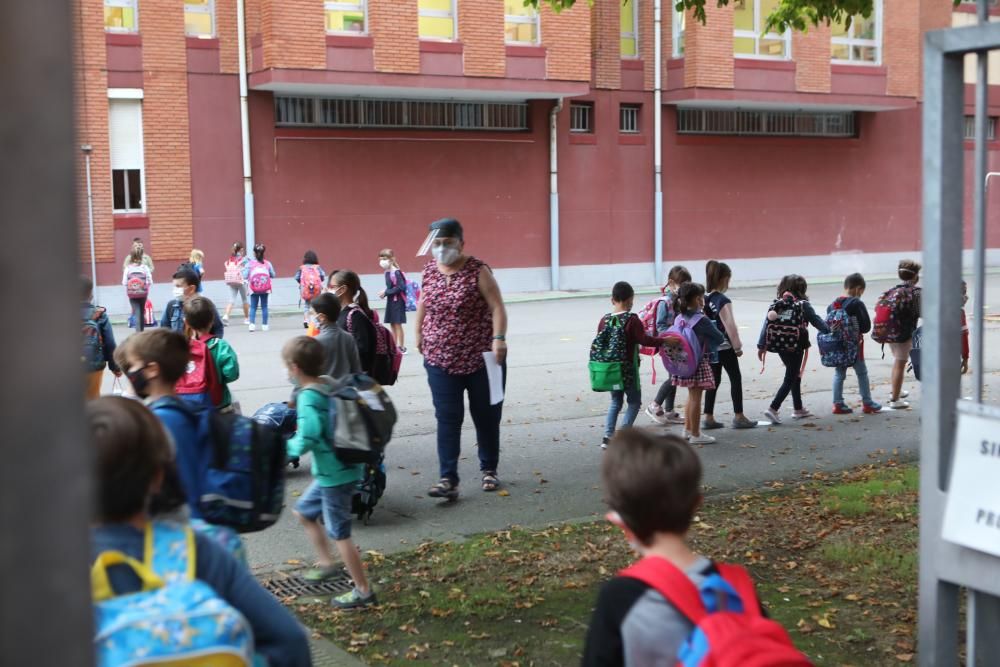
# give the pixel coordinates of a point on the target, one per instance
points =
(860, 42)
(628, 118)
(121, 15)
(991, 128)
(520, 22)
(199, 18)
(581, 117)
(346, 17)
(841, 124)
(125, 141)
(400, 114)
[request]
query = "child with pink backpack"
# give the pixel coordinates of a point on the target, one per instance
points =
(259, 275)
(311, 279)
(657, 317)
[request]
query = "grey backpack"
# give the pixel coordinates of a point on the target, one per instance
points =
(362, 417)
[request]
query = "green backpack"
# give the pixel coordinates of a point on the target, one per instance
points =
(608, 355)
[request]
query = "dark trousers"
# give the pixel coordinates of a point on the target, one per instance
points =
(139, 313)
(729, 361)
(448, 393)
(667, 395)
(792, 382)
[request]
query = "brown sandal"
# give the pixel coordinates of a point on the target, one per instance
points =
(490, 481)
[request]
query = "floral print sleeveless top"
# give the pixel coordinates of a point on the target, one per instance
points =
(457, 325)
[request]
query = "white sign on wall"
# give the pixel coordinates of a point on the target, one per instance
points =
(972, 513)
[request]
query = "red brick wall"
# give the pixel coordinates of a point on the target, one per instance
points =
(566, 37)
(294, 34)
(481, 31)
(934, 15)
(165, 129)
(393, 25)
(708, 61)
(646, 41)
(226, 31)
(901, 47)
(606, 39)
(811, 51)
(90, 55)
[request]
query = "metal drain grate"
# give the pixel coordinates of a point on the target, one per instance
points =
(297, 587)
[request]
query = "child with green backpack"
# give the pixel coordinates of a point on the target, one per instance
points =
(614, 358)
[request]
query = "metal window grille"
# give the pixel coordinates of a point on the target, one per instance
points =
(767, 123)
(970, 128)
(581, 117)
(628, 118)
(400, 114)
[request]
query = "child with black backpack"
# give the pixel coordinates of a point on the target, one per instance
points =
(98, 340)
(334, 483)
(847, 316)
(897, 312)
(786, 332)
(646, 614)
(661, 410)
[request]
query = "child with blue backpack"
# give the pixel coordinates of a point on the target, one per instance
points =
(661, 410)
(852, 314)
(98, 340)
(691, 321)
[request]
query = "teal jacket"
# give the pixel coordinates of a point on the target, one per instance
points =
(315, 434)
(227, 365)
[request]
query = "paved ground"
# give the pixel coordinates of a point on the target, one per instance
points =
(553, 424)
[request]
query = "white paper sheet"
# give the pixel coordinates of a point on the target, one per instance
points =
(495, 375)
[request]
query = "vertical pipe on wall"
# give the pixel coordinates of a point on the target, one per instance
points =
(979, 212)
(248, 212)
(87, 148)
(554, 194)
(657, 143)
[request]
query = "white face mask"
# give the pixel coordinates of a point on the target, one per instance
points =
(445, 254)
(178, 292)
(385, 264)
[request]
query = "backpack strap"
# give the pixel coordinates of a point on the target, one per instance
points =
(669, 581)
(169, 551)
(740, 580)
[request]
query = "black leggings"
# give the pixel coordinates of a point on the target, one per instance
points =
(792, 382)
(667, 395)
(139, 312)
(729, 361)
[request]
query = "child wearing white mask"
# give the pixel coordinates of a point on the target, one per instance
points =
(395, 296)
(186, 283)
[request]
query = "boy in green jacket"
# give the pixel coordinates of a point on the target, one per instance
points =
(199, 316)
(334, 483)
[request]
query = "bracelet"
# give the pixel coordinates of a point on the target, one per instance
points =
(500, 337)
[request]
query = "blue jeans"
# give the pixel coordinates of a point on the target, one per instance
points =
(448, 393)
(634, 397)
(258, 299)
(333, 503)
(840, 374)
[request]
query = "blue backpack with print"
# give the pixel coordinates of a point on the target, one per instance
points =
(840, 347)
(93, 342)
(175, 618)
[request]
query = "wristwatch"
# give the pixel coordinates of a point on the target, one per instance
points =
(500, 337)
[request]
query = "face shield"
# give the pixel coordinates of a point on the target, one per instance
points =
(425, 247)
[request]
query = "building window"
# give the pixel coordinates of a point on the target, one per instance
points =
(437, 19)
(399, 114)
(346, 16)
(520, 22)
(125, 139)
(680, 19)
(199, 18)
(860, 42)
(121, 15)
(749, 40)
(970, 128)
(628, 118)
(630, 29)
(764, 123)
(581, 117)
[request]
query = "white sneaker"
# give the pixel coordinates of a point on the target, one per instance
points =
(251, 327)
(687, 434)
(655, 412)
(772, 416)
(903, 393)
(265, 328)
(674, 418)
(701, 439)
(898, 405)
(225, 321)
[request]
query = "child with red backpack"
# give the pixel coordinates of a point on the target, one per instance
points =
(786, 332)
(847, 316)
(698, 336)
(138, 280)
(311, 279)
(657, 317)
(674, 606)
(260, 272)
(897, 312)
(199, 314)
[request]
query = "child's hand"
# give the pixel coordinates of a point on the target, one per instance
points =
(760, 355)
(965, 365)
(739, 352)
(381, 294)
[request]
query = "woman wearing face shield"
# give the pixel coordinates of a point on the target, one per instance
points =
(460, 316)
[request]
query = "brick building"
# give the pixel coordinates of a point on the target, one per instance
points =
(366, 119)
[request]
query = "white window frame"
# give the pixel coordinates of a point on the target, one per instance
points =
(130, 94)
(126, 4)
(439, 14)
(203, 9)
(346, 7)
(633, 126)
(756, 36)
(851, 41)
(634, 35)
(517, 18)
(677, 28)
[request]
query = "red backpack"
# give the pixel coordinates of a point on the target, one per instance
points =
(201, 377)
(387, 358)
(895, 315)
(310, 284)
(733, 632)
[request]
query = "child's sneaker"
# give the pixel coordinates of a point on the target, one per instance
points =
(225, 320)
(842, 409)
(701, 439)
(251, 327)
(305, 325)
(656, 413)
(743, 422)
(898, 405)
(872, 408)
(674, 418)
(322, 573)
(772, 416)
(802, 414)
(604, 442)
(355, 599)
(710, 424)
(265, 328)
(903, 393)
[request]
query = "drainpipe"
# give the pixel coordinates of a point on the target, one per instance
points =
(657, 144)
(554, 193)
(248, 222)
(87, 149)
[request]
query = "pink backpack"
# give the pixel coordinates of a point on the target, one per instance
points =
(682, 351)
(648, 317)
(310, 284)
(137, 283)
(260, 277)
(729, 629)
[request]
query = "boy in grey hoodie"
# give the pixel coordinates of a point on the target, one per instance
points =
(340, 348)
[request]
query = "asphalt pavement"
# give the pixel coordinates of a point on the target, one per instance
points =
(553, 423)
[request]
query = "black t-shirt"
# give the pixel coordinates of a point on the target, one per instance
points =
(363, 331)
(714, 303)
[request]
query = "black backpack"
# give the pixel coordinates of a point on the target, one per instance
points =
(784, 331)
(369, 491)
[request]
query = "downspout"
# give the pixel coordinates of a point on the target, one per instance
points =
(554, 194)
(248, 222)
(657, 144)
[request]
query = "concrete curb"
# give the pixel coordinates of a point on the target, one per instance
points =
(327, 654)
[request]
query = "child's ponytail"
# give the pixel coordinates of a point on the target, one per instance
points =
(716, 275)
